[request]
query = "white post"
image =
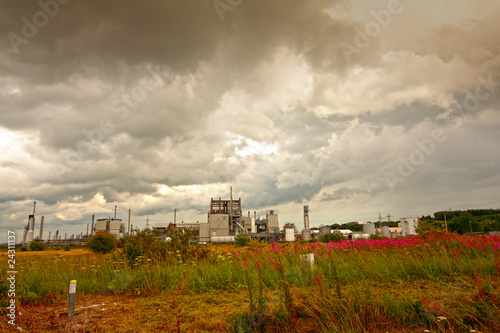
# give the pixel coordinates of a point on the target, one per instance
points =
(72, 297)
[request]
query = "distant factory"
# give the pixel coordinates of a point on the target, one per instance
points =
(225, 221)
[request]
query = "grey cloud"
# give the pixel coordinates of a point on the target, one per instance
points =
(264, 101)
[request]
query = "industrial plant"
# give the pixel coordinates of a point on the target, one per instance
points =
(225, 221)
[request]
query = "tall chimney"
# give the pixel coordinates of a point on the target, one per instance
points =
(41, 228)
(115, 212)
(92, 229)
(306, 217)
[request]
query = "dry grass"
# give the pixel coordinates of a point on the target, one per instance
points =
(172, 312)
(49, 253)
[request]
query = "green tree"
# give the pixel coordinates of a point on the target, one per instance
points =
(37, 246)
(102, 243)
(464, 223)
(334, 237)
(242, 240)
(428, 224)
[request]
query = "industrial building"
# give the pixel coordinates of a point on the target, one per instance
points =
(225, 220)
(29, 229)
(110, 226)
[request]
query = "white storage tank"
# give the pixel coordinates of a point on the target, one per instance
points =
(360, 236)
(324, 230)
(369, 228)
(306, 235)
(289, 234)
(409, 226)
(386, 232)
(222, 239)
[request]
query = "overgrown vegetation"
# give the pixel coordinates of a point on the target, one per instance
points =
(333, 237)
(438, 282)
(463, 222)
(102, 243)
(242, 240)
(37, 246)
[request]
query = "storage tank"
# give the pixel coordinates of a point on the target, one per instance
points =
(289, 234)
(360, 236)
(222, 239)
(409, 226)
(369, 228)
(386, 232)
(306, 235)
(325, 230)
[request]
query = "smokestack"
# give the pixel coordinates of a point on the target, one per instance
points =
(306, 217)
(128, 222)
(87, 230)
(29, 232)
(33, 224)
(49, 236)
(92, 229)
(175, 216)
(115, 212)
(41, 228)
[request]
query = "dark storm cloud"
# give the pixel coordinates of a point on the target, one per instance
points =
(162, 105)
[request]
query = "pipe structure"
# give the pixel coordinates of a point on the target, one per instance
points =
(230, 208)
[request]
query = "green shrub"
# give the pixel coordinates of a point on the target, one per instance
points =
(67, 247)
(331, 238)
(102, 243)
(132, 251)
(23, 249)
(376, 237)
(242, 240)
(37, 246)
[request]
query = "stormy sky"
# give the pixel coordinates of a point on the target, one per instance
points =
(354, 107)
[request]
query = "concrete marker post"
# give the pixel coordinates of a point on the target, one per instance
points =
(72, 298)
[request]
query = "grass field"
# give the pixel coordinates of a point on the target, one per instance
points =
(432, 283)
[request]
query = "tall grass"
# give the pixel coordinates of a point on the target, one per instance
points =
(352, 285)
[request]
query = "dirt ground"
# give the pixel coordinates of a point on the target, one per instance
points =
(132, 313)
